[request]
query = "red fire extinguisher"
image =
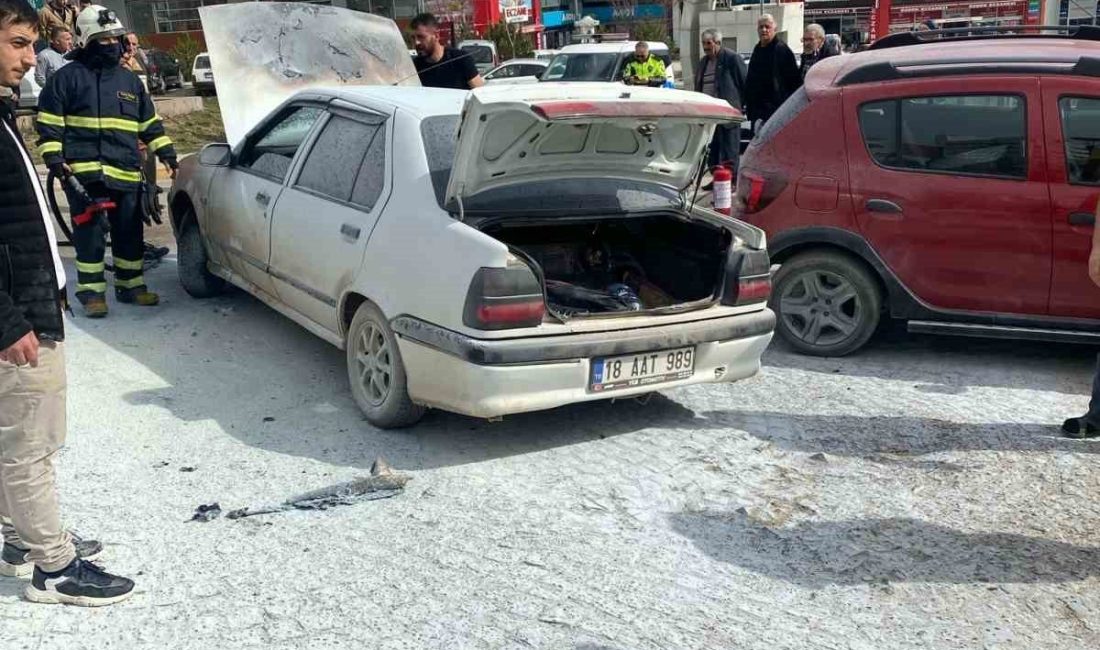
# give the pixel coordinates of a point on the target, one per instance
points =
(723, 189)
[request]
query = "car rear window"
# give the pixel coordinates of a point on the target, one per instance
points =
(1081, 128)
(479, 53)
(966, 134)
(440, 133)
(202, 63)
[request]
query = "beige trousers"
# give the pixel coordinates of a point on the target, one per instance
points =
(32, 431)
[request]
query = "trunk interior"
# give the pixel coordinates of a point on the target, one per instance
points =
(620, 265)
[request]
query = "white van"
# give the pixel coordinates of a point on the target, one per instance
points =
(203, 75)
(601, 61)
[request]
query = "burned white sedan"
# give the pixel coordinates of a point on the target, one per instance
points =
(487, 253)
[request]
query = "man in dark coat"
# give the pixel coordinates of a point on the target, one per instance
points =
(773, 73)
(722, 74)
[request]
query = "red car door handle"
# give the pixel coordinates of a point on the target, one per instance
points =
(883, 206)
(1082, 219)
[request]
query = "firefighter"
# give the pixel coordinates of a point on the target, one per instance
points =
(91, 116)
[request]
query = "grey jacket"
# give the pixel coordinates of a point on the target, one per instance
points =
(729, 78)
(49, 61)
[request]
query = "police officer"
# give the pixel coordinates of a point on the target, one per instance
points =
(644, 67)
(91, 115)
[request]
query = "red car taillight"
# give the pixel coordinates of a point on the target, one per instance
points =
(504, 298)
(748, 277)
(755, 189)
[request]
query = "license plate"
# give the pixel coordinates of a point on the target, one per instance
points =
(642, 369)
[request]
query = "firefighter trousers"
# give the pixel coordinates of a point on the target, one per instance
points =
(127, 233)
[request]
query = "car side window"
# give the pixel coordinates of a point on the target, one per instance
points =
(967, 134)
(334, 161)
(372, 175)
(529, 71)
(1081, 130)
(273, 152)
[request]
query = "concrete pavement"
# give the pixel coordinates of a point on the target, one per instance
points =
(913, 496)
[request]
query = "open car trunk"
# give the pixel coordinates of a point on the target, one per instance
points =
(620, 265)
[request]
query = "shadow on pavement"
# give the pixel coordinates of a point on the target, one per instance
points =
(897, 355)
(848, 435)
(274, 386)
(819, 554)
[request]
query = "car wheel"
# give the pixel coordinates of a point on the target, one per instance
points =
(377, 373)
(826, 304)
(196, 278)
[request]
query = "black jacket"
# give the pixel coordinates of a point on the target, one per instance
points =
(29, 297)
(773, 77)
(92, 119)
(729, 77)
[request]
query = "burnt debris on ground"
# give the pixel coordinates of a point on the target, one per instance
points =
(383, 482)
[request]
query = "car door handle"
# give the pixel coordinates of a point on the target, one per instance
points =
(1082, 219)
(263, 199)
(349, 230)
(883, 206)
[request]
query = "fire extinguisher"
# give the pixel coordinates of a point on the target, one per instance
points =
(723, 189)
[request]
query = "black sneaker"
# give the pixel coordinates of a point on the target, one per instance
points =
(14, 564)
(1079, 429)
(153, 253)
(81, 583)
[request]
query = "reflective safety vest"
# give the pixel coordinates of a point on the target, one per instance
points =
(93, 120)
(651, 68)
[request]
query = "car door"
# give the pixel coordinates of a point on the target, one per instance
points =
(323, 220)
(243, 195)
(949, 186)
(1072, 116)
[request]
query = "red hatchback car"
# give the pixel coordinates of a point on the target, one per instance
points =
(948, 182)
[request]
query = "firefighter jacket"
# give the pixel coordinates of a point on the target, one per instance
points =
(651, 68)
(93, 119)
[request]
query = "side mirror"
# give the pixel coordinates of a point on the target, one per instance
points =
(216, 155)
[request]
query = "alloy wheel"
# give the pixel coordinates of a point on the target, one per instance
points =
(374, 364)
(821, 308)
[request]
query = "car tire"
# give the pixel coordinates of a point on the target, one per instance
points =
(376, 371)
(191, 260)
(826, 304)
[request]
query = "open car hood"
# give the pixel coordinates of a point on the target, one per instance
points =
(261, 53)
(518, 133)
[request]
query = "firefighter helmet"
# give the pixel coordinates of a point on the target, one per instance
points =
(95, 22)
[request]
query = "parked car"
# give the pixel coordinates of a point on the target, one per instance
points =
(202, 75)
(484, 54)
(516, 71)
(547, 256)
(957, 191)
(600, 61)
(29, 90)
(163, 72)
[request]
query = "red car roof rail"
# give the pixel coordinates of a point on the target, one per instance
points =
(929, 36)
(1084, 66)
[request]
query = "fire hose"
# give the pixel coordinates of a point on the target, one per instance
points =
(96, 208)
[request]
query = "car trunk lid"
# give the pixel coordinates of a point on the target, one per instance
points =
(550, 131)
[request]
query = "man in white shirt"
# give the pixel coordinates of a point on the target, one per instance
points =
(52, 58)
(32, 366)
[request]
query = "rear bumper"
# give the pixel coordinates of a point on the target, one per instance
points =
(542, 373)
(543, 349)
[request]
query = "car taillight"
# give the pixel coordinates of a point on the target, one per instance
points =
(748, 277)
(755, 190)
(504, 298)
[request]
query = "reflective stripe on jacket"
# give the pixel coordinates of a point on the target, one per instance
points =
(94, 119)
(651, 68)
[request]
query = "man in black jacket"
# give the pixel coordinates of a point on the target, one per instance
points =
(722, 74)
(773, 73)
(32, 365)
(91, 116)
